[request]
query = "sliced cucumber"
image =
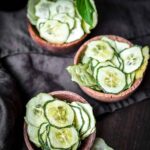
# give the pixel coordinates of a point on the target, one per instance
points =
(100, 51)
(63, 138)
(116, 61)
(63, 6)
(31, 11)
(42, 9)
(34, 109)
(121, 63)
(64, 18)
(85, 59)
(33, 134)
(59, 114)
(79, 121)
(75, 146)
(120, 46)
(111, 79)
(94, 62)
(43, 134)
(86, 119)
(77, 32)
(109, 41)
(54, 31)
(89, 111)
(132, 59)
(40, 23)
(141, 70)
(107, 63)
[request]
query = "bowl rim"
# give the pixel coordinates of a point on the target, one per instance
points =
(110, 97)
(34, 33)
(87, 143)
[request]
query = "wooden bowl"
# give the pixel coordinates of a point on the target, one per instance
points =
(99, 95)
(52, 47)
(70, 97)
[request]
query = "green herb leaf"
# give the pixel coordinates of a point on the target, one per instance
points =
(86, 10)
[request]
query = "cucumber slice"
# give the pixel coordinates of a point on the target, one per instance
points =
(33, 134)
(86, 119)
(42, 133)
(111, 79)
(116, 61)
(85, 59)
(64, 18)
(63, 6)
(54, 31)
(31, 11)
(89, 111)
(120, 46)
(141, 70)
(42, 9)
(75, 146)
(132, 59)
(121, 63)
(63, 138)
(59, 114)
(79, 121)
(109, 41)
(103, 64)
(94, 62)
(34, 109)
(100, 51)
(77, 32)
(40, 23)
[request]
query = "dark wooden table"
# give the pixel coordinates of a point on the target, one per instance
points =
(128, 128)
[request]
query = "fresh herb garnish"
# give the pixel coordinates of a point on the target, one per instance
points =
(86, 10)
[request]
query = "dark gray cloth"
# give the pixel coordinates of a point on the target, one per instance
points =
(27, 69)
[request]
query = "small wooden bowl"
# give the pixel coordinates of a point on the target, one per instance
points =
(52, 47)
(70, 97)
(99, 95)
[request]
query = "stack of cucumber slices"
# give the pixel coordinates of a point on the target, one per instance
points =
(58, 21)
(53, 124)
(110, 66)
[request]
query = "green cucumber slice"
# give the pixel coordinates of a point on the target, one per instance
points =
(77, 32)
(33, 134)
(42, 9)
(75, 146)
(116, 61)
(43, 134)
(109, 41)
(59, 114)
(141, 70)
(63, 138)
(34, 109)
(99, 50)
(86, 119)
(132, 59)
(89, 111)
(103, 64)
(64, 18)
(40, 23)
(54, 31)
(79, 121)
(121, 63)
(120, 46)
(94, 62)
(63, 6)
(31, 11)
(85, 59)
(111, 79)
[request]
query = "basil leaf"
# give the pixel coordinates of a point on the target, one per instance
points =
(86, 10)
